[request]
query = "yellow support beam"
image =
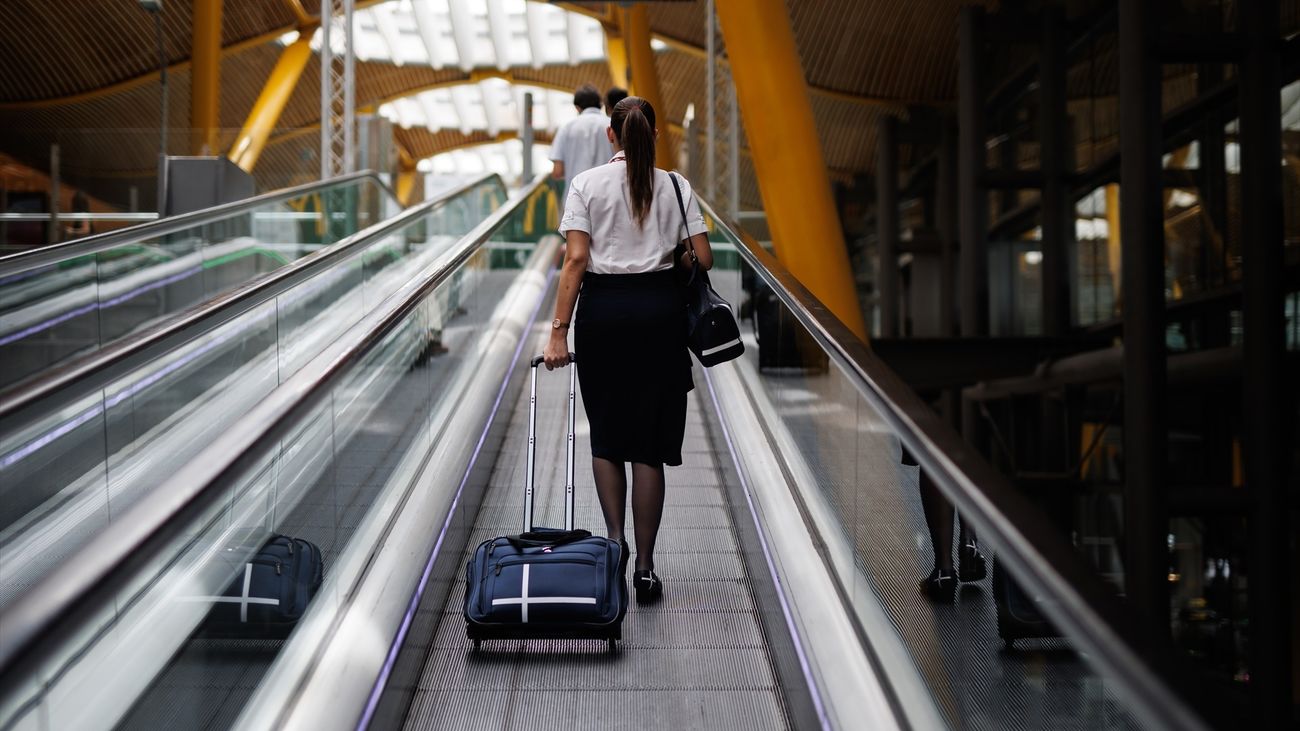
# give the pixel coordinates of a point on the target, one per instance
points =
(205, 77)
(643, 77)
(270, 103)
(407, 174)
(792, 175)
(617, 52)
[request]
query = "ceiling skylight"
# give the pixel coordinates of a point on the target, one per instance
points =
(474, 34)
(491, 105)
(502, 158)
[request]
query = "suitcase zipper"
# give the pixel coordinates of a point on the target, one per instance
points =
(518, 562)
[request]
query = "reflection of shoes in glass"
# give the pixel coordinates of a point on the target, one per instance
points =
(971, 565)
(649, 589)
(940, 587)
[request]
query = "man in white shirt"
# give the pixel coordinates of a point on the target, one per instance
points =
(581, 143)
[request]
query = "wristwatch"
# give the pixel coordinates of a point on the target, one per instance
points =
(557, 325)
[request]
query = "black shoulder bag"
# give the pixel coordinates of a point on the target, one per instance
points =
(712, 333)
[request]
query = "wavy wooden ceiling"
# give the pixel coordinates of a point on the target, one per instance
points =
(82, 73)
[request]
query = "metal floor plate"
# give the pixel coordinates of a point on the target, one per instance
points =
(695, 660)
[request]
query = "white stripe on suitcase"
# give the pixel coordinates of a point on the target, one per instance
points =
(524, 600)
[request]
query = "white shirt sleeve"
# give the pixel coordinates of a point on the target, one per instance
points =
(576, 217)
(694, 219)
(558, 144)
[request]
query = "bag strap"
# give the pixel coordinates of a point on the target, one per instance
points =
(681, 206)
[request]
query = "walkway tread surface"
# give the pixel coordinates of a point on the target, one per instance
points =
(695, 660)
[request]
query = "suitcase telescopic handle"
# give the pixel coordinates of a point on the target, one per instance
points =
(540, 359)
(532, 445)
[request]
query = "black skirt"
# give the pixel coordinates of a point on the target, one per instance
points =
(629, 333)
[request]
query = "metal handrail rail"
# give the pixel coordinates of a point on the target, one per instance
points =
(109, 560)
(24, 260)
(102, 366)
(1025, 539)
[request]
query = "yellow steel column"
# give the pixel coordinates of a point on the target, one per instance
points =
(205, 76)
(270, 103)
(773, 99)
(618, 62)
(642, 77)
(407, 174)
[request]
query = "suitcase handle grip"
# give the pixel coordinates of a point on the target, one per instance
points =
(539, 359)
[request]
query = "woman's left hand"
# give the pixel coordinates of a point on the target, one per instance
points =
(556, 354)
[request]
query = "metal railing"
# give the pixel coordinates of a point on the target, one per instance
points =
(22, 261)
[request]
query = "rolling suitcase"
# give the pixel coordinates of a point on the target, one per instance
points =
(269, 593)
(546, 583)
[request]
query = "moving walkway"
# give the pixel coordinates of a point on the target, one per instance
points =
(791, 546)
(83, 442)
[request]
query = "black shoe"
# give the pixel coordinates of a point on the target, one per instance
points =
(940, 587)
(622, 561)
(971, 565)
(648, 587)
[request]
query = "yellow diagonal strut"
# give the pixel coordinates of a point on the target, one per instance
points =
(270, 103)
(792, 175)
(643, 77)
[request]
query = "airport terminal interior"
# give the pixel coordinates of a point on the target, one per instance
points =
(1012, 442)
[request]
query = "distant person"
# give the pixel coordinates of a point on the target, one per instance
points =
(582, 143)
(625, 232)
(615, 95)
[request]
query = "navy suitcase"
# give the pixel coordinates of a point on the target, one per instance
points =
(269, 593)
(546, 583)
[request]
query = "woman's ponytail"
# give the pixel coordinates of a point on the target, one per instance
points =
(633, 120)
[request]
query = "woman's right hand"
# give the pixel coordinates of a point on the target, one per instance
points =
(556, 353)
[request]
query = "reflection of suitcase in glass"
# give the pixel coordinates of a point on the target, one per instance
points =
(782, 340)
(1018, 614)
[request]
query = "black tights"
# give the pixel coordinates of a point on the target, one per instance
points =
(938, 519)
(647, 503)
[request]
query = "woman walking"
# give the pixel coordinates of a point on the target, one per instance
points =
(623, 228)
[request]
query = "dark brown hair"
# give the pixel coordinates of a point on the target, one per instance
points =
(586, 97)
(633, 120)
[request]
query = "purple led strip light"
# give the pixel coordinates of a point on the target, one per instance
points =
(27, 450)
(98, 305)
(771, 565)
(375, 692)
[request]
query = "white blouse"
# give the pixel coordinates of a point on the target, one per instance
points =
(599, 204)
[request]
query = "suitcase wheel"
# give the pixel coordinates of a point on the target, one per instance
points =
(612, 647)
(478, 644)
